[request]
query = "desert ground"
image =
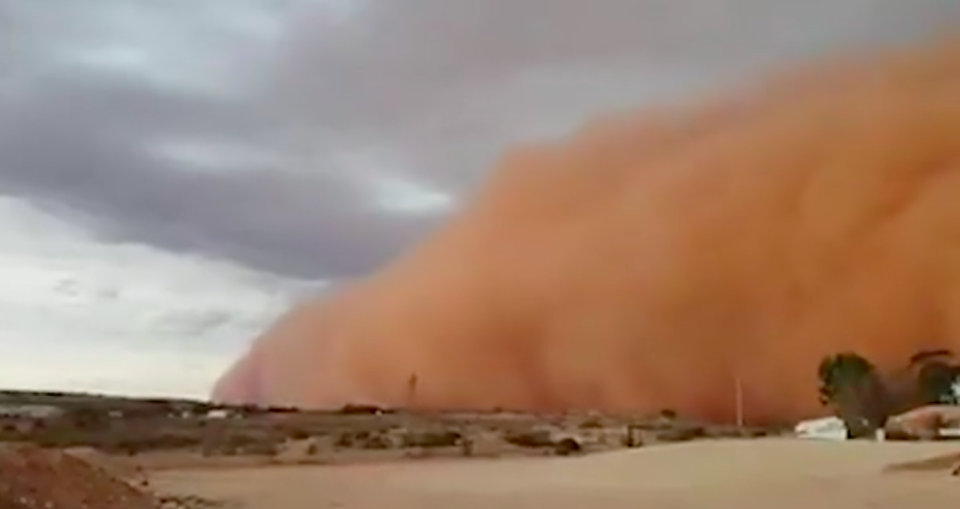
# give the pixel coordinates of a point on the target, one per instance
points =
(67, 451)
(782, 473)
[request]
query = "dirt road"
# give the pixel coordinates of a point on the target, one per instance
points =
(780, 473)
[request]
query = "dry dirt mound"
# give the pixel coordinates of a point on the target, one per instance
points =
(125, 471)
(34, 478)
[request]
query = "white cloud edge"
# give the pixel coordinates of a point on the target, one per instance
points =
(82, 315)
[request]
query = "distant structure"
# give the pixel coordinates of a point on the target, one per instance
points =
(220, 413)
(30, 411)
(827, 428)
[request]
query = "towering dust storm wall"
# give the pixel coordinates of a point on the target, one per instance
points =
(654, 257)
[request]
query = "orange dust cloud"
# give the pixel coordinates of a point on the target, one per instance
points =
(653, 258)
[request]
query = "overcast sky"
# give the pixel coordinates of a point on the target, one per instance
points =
(174, 173)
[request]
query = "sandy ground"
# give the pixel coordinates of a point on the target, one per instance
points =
(780, 473)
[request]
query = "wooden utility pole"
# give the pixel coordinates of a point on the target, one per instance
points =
(738, 387)
(412, 390)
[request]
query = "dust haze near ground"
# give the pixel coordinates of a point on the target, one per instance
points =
(656, 256)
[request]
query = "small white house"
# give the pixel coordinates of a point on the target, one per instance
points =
(827, 428)
(219, 414)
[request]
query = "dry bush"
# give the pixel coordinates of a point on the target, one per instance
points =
(84, 418)
(363, 440)
(351, 438)
(345, 439)
(754, 433)
(538, 438)
(668, 413)
(680, 434)
(591, 423)
(351, 409)
(135, 444)
(376, 441)
(61, 437)
(298, 434)
(735, 432)
(431, 438)
(240, 445)
(567, 447)
(262, 448)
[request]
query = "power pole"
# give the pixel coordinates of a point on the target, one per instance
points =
(738, 385)
(412, 390)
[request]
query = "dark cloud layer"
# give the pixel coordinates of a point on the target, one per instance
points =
(257, 215)
(433, 86)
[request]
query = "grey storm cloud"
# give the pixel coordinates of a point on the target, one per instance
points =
(274, 133)
(61, 152)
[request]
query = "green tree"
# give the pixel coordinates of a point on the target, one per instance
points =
(935, 377)
(849, 384)
(935, 381)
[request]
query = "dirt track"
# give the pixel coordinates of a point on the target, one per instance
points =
(778, 473)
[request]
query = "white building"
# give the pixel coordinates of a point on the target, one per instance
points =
(219, 414)
(827, 428)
